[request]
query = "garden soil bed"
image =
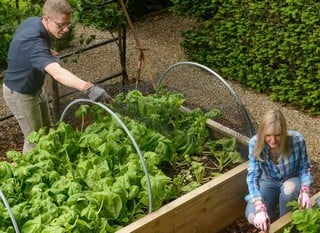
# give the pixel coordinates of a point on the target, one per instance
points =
(161, 35)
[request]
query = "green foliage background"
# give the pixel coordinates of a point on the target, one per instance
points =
(11, 15)
(269, 46)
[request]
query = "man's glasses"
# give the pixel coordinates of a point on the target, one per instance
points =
(61, 26)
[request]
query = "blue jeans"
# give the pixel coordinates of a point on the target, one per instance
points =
(276, 195)
(31, 112)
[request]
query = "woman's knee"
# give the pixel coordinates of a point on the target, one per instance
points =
(250, 212)
(250, 218)
(291, 186)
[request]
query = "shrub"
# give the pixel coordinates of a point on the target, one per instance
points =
(269, 46)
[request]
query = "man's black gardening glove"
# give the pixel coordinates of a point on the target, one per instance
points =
(98, 94)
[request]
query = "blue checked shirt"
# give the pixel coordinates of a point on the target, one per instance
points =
(296, 165)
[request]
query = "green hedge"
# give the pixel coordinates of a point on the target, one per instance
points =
(8, 23)
(269, 46)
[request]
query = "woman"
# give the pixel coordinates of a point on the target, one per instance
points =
(278, 171)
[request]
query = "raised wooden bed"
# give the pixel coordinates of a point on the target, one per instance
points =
(209, 208)
(279, 225)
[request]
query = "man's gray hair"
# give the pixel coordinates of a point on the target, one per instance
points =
(56, 7)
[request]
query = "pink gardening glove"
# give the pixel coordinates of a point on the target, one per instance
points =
(304, 198)
(262, 220)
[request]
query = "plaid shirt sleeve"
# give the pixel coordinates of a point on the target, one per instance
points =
(301, 157)
(254, 174)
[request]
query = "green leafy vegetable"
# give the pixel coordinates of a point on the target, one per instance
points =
(92, 180)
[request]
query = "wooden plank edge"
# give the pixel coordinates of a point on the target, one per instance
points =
(227, 131)
(170, 207)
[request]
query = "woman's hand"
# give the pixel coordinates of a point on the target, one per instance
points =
(304, 198)
(262, 220)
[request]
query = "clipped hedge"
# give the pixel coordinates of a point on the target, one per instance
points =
(8, 23)
(269, 46)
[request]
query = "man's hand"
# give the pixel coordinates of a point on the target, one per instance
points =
(262, 220)
(304, 198)
(98, 94)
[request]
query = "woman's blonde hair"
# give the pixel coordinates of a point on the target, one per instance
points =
(55, 7)
(272, 121)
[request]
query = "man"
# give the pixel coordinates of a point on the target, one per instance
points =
(29, 58)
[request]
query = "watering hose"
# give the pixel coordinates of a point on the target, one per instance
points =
(6, 204)
(129, 134)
